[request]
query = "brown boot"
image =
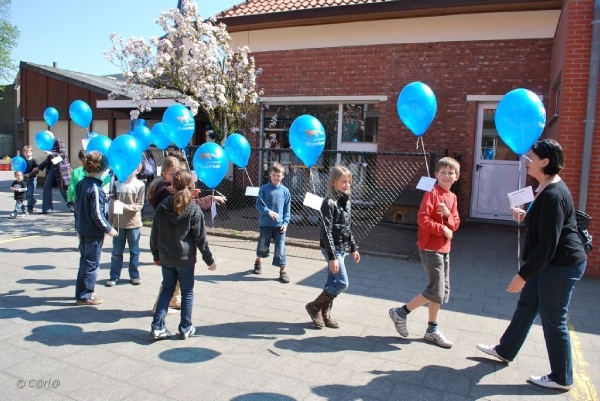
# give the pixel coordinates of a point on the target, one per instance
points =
(325, 312)
(314, 309)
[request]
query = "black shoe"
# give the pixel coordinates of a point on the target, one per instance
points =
(283, 277)
(257, 268)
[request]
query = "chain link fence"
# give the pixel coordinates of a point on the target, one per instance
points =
(384, 200)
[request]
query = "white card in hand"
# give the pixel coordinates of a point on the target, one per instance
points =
(158, 171)
(426, 183)
(312, 201)
(84, 143)
(213, 210)
(521, 197)
(252, 191)
(118, 207)
(57, 160)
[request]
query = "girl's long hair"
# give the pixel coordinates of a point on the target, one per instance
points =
(183, 182)
(336, 173)
(167, 164)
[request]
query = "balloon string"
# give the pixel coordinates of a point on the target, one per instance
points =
(424, 154)
(312, 181)
(519, 224)
(249, 179)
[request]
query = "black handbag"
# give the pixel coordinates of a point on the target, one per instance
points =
(583, 221)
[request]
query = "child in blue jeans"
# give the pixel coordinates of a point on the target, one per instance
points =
(273, 203)
(336, 238)
(30, 176)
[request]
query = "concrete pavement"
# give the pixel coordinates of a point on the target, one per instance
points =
(254, 340)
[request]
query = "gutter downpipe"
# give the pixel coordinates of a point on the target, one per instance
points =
(590, 115)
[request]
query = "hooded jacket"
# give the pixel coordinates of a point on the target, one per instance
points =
(335, 225)
(174, 238)
(164, 189)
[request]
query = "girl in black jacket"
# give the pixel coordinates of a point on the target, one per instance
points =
(336, 239)
(178, 229)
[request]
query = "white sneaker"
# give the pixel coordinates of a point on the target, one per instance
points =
(439, 339)
(399, 323)
(488, 349)
(545, 381)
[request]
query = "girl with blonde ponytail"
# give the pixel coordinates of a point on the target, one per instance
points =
(178, 229)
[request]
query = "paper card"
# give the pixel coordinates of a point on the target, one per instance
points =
(57, 160)
(521, 197)
(252, 191)
(213, 210)
(158, 171)
(426, 183)
(312, 201)
(117, 207)
(85, 142)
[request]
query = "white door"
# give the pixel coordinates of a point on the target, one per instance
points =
(496, 171)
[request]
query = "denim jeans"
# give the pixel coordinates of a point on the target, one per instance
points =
(185, 275)
(132, 236)
(47, 193)
(264, 240)
(336, 283)
(90, 249)
(547, 293)
(19, 207)
(30, 191)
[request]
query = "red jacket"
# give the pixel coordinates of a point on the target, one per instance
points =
(431, 224)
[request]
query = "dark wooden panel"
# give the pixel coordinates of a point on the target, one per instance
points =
(77, 93)
(36, 93)
(99, 113)
(56, 97)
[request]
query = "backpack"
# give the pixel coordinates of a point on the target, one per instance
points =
(583, 221)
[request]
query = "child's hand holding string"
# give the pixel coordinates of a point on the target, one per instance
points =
(273, 215)
(334, 266)
(213, 266)
(443, 210)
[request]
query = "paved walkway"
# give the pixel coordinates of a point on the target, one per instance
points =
(254, 340)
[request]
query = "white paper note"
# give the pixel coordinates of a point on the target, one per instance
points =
(252, 191)
(84, 143)
(521, 196)
(117, 207)
(312, 201)
(57, 160)
(213, 210)
(158, 171)
(426, 183)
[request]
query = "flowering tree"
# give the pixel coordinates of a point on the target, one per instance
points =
(193, 64)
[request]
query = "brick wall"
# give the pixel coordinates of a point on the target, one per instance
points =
(453, 70)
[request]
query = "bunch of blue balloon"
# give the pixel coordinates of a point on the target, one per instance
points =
(520, 119)
(416, 107)
(124, 156)
(179, 124)
(211, 164)
(18, 164)
(307, 139)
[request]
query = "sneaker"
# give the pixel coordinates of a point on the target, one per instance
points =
(30, 210)
(545, 381)
(136, 281)
(25, 213)
(49, 211)
(90, 301)
(187, 334)
(70, 206)
(399, 323)
(488, 349)
(172, 311)
(111, 283)
(257, 268)
(160, 334)
(439, 339)
(13, 215)
(283, 277)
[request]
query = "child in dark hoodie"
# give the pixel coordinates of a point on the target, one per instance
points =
(178, 229)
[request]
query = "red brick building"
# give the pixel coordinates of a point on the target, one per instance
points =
(470, 53)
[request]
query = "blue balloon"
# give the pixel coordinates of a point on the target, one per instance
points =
(92, 135)
(44, 140)
(51, 116)
(159, 136)
(18, 164)
(80, 113)
(140, 121)
(307, 138)
(237, 149)
(124, 156)
(211, 164)
(100, 144)
(179, 124)
(417, 107)
(520, 119)
(143, 135)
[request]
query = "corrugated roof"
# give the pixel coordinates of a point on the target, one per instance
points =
(256, 7)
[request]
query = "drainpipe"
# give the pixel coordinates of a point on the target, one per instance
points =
(261, 145)
(590, 115)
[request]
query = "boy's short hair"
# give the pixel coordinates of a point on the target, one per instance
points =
(447, 162)
(94, 162)
(26, 148)
(81, 154)
(277, 168)
(17, 172)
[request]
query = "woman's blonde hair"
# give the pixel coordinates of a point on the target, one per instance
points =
(336, 173)
(167, 164)
(183, 182)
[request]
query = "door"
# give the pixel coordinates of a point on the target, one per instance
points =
(496, 171)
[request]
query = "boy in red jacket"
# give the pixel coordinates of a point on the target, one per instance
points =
(438, 219)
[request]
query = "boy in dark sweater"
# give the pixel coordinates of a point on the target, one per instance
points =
(273, 203)
(19, 187)
(30, 176)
